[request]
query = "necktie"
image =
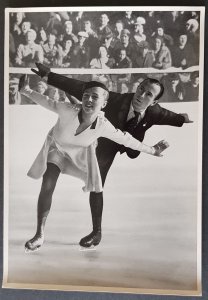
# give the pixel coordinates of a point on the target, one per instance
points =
(133, 122)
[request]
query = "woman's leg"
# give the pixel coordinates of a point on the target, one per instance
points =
(96, 206)
(44, 204)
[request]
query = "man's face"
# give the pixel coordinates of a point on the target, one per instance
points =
(87, 25)
(25, 27)
(119, 26)
(145, 95)
(183, 40)
(93, 100)
(128, 14)
(196, 81)
(104, 19)
(160, 31)
(124, 38)
(68, 27)
(122, 54)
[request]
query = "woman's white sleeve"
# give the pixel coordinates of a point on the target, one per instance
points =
(124, 138)
(43, 100)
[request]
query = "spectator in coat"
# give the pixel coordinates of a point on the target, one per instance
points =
(183, 54)
(145, 57)
(29, 52)
(103, 29)
(80, 53)
(50, 50)
(162, 55)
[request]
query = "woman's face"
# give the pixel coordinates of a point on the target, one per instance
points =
(93, 100)
(19, 17)
(25, 27)
(43, 35)
(41, 89)
(68, 44)
(158, 43)
(68, 28)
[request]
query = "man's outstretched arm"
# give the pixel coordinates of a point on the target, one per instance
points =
(71, 86)
(167, 117)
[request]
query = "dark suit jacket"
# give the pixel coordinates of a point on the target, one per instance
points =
(116, 112)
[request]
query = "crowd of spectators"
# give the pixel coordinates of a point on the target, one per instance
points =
(179, 87)
(130, 39)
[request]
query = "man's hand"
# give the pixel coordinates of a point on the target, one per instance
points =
(42, 70)
(186, 117)
(160, 147)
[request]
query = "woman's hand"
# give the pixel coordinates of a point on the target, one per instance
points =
(160, 147)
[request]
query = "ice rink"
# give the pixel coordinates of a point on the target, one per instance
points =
(149, 219)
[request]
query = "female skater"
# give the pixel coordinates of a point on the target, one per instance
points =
(70, 146)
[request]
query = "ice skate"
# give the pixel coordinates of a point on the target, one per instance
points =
(91, 240)
(34, 244)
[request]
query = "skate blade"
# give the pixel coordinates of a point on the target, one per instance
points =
(32, 250)
(91, 248)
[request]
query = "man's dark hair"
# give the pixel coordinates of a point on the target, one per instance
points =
(157, 82)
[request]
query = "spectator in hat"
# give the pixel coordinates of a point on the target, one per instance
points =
(102, 61)
(16, 28)
(68, 32)
(103, 29)
(81, 53)
(162, 55)
(183, 55)
(145, 57)
(138, 33)
(128, 20)
(174, 91)
(192, 88)
(29, 52)
(192, 28)
(161, 34)
(50, 50)
(92, 41)
(172, 24)
(42, 36)
(152, 20)
(65, 53)
(119, 26)
(77, 20)
(122, 80)
(14, 95)
(109, 43)
(42, 87)
(124, 43)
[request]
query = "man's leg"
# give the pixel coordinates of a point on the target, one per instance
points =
(44, 204)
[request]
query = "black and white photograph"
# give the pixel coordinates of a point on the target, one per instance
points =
(103, 149)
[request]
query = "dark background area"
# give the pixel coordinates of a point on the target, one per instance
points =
(52, 295)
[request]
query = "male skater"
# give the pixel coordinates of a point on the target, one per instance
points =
(132, 112)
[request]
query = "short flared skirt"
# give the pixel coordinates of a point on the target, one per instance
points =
(74, 160)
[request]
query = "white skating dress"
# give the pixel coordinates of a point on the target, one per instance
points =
(73, 153)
